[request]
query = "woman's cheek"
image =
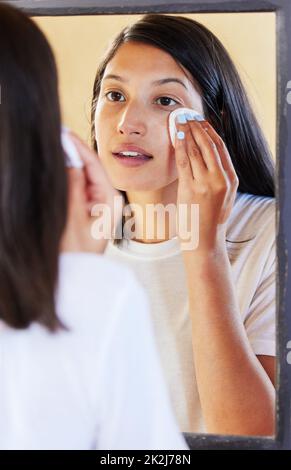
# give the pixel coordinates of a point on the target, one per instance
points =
(102, 152)
(100, 135)
(101, 124)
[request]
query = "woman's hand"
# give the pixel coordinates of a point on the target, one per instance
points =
(87, 187)
(207, 178)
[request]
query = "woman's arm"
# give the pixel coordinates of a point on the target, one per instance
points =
(237, 396)
(269, 364)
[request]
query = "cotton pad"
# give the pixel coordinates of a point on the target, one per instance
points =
(190, 113)
(72, 157)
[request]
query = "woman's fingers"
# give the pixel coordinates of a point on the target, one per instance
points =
(225, 163)
(205, 153)
(99, 187)
(86, 153)
(76, 197)
(77, 235)
(90, 159)
(190, 155)
(221, 147)
(209, 150)
(182, 160)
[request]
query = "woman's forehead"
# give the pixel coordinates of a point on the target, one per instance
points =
(143, 59)
(137, 62)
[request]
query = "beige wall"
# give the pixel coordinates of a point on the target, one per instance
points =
(78, 43)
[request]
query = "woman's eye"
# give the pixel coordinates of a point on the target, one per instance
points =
(118, 97)
(114, 96)
(165, 101)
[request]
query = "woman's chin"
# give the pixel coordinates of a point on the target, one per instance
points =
(139, 185)
(133, 187)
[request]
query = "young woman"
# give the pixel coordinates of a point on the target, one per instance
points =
(213, 306)
(72, 374)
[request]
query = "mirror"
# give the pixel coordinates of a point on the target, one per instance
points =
(79, 43)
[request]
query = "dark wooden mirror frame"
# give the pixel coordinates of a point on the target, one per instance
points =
(282, 8)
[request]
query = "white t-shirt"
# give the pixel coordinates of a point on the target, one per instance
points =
(160, 269)
(98, 386)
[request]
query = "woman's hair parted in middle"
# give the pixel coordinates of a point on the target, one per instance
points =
(33, 182)
(224, 98)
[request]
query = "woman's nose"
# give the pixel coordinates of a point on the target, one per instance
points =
(132, 122)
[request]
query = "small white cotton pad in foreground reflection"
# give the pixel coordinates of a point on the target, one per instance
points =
(72, 156)
(172, 118)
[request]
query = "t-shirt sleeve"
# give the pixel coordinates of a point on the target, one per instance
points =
(260, 323)
(136, 413)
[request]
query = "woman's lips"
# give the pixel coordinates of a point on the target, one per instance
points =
(131, 161)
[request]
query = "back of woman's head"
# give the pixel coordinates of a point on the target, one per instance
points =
(33, 192)
(225, 102)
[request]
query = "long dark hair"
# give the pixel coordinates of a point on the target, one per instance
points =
(33, 185)
(225, 101)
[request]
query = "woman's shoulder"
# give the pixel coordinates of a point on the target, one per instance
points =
(91, 287)
(93, 270)
(252, 215)
(251, 203)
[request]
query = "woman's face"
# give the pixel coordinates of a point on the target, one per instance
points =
(140, 87)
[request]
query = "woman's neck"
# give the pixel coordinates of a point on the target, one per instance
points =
(154, 214)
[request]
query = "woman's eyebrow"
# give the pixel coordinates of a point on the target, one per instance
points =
(169, 80)
(162, 81)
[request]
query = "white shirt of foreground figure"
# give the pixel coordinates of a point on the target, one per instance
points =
(98, 385)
